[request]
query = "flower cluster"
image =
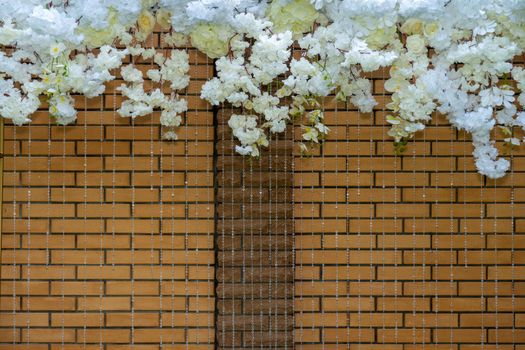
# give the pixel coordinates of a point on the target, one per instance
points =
(457, 61)
(245, 81)
(172, 70)
(278, 62)
(50, 52)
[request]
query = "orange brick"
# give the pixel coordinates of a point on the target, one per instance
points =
(403, 304)
(33, 319)
(104, 303)
(83, 288)
(107, 335)
(485, 320)
(54, 303)
(154, 335)
(402, 210)
(341, 335)
(77, 319)
(103, 272)
(460, 335)
(124, 319)
(139, 287)
(347, 304)
(44, 335)
(430, 320)
(458, 304)
(404, 335)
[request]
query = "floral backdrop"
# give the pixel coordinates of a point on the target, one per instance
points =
(452, 57)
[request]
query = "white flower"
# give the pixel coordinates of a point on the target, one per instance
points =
(247, 150)
(15, 106)
(497, 97)
(310, 134)
(247, 23)
(212, 92)
(131, 74)
(175, 69)
(51, 23)
(513, 141)
(61, 107)
(154, 74)
(170, 136)
(264, 102)
(57, 49)
(322, 128)
(148, 53)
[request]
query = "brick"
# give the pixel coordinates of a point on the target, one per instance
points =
(103, 272)
(403, 304)
(368, 319)
(104, 303)
(404, 335)
(22, 287)
(77, 319)
(33, 319)
(106, 335)
(485, 320)
(460, 335)
(124, 319)
(347, 304)
(139, 287)
(53, 303)
(430, 320)
(47, 210)
(459, 304)
(154, 335)
(49, 272)
(44, 335)
(401, 210)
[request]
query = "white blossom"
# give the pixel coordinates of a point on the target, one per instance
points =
(448, 56)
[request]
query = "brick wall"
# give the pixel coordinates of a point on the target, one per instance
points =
(71, 235)
(406, 252)
(389, 251)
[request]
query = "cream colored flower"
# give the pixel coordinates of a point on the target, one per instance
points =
(431, 29)
(416, 44)
(412, 26)
(99, 37)
(212, 39)
(164, 18)
(146, 22)
(297, 16)
(381, 37)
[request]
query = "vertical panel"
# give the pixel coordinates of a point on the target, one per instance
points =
(254, 268)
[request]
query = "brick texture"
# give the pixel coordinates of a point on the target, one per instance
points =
(113, 246)
(113, 239)
(405, 252)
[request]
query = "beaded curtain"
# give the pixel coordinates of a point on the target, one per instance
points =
(114, 239)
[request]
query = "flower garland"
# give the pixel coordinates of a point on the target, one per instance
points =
(452, 57)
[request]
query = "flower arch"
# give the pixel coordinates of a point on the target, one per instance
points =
(453, 57)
